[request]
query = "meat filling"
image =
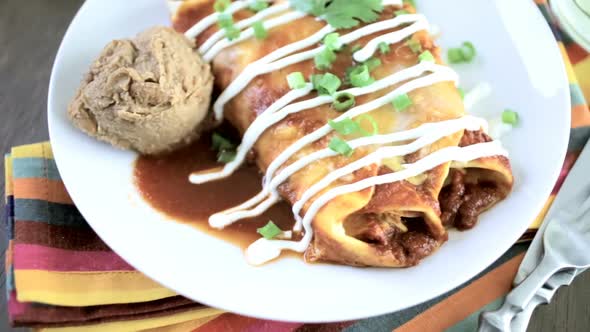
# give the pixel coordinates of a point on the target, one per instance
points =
(461, 203)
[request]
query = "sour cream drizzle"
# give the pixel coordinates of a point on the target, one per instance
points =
(421, 75)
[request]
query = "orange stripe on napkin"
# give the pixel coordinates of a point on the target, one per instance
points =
(43, 189)
(580, 116)
(466, 301)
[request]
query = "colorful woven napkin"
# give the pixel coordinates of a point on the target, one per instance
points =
(62, 277)
(59, 273)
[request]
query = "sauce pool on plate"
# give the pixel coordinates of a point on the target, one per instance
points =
(163, 183)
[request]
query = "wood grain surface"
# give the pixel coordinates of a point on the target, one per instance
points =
(30, 33)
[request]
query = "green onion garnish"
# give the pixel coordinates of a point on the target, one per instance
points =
(402, 102)
(401, 12)
(461, 93)
(384, 48)
(373, 63)
(296, 80)
(372, 122)
(455, 55)
(332, 41)
(326, 84)
(465, 53)
(510, 117)
(258, 5)
(468, 50)
(324, 59)
(426, 56)
(340, 146)
(356, 48)
(221, 5)
(345, 127)
(360, 76)
(219, 143)
(414, 45)
(343, 102)
(232, 33)
(225, 20)
(226, 156)
(260, 31)
(269, 231)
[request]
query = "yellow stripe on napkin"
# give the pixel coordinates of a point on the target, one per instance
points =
(73, 289)
(201, 316)
(39, 150)
(582, 68)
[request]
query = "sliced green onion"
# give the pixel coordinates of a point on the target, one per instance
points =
(461, 93)
(226, 156)
(356, 48)
(232, 33)
(296, 80)
(510, 117)
(373, 63)
(414, 45)
(468, 51)
(384, 48)
(326, 84)
(333, 42)
(325, 59)
(426, 56)
(258, 5)
(402, 102)
(260, 31)
(345, 127)
(465, 53)
(401, 12)
(343, 102)
(340, 146)
(371, 121)
(360, 76)
(225, 20)
(455, 55)
(219, 143)
(269, 231)
(221, 5)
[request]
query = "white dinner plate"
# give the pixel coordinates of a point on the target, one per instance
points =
(517, 55)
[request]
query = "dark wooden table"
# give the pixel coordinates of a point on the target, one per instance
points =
(30, 33)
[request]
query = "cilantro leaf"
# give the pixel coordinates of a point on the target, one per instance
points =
(345, 14)
(341, 14)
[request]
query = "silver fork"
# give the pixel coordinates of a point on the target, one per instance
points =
(567, 246)
(543, 296)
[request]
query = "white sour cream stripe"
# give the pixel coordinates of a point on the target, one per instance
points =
(441, 75)
(264, 250)
(264, 67)
(210, 20)
(271, 116)
(438, 129)
(419, 76)
(249, 33)
(220, 34)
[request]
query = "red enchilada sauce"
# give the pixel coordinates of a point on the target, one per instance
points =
(163, 183)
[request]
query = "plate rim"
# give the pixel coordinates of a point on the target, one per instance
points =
(333, 317)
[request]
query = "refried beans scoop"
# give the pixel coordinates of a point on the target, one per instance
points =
(150, 94)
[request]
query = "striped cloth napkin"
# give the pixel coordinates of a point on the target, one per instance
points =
(62, 277)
